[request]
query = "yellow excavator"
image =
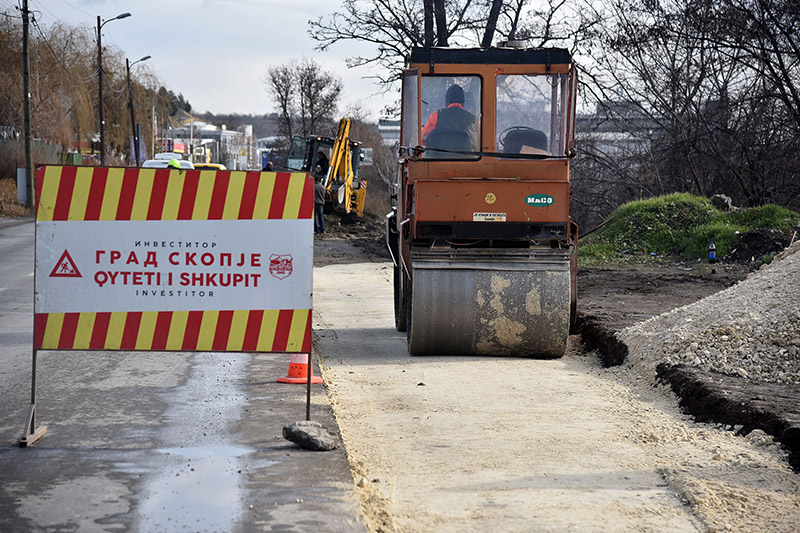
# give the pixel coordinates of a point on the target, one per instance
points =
(336, 161)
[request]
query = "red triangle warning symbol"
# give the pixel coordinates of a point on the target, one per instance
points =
(65, 268)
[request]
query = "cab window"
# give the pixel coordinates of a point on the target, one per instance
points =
(530, 114)
(410, 119)
(450, 116)
(298, 154)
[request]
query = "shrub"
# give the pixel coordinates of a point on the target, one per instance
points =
(678, 226)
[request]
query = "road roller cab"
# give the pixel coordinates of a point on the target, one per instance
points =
(480, 234)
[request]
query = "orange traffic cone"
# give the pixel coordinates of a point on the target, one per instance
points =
(298, 370)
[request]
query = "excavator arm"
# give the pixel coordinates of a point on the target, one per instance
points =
(339, 183)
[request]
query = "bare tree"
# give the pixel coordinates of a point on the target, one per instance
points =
(393, 27)
(717, 103)
(390, 28)
(766, 37)
(491, 23)
(306, 96)
(281, 86)
(428, 7)
(441, 22)
(319, 93)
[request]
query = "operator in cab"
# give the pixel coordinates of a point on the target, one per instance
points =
(451, 128)
(321, 168)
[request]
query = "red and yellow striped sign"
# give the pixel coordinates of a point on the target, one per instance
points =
(75, 194)
(284, 330)
(102, 193)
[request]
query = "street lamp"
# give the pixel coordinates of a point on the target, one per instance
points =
(100, 77)
(128, 66)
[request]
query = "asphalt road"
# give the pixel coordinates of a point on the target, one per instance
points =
(16, 297)
(155, 441)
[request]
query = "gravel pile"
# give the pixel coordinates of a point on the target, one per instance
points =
(751, 329)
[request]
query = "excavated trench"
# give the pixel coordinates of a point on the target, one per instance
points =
(713, 397)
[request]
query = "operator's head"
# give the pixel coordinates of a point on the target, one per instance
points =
(454, 95)
(173, 163)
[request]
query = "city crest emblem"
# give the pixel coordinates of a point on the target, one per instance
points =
(280, 266)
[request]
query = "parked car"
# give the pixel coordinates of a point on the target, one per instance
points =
(210, 166)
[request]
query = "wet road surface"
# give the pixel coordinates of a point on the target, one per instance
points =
(155, 441)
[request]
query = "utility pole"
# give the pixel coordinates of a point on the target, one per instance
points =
(26, 106)
(130, 105)
(154, 132)
(128, 66)
(100, 81)
(191, 140)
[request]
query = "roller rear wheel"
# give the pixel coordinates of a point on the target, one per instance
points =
(400, 306)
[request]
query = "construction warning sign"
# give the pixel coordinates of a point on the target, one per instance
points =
(65, 268)
(161, 259)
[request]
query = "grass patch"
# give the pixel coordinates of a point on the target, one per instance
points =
(678, 226)
(719, 231)
(768, 216)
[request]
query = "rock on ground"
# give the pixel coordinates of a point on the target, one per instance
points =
(311, 436)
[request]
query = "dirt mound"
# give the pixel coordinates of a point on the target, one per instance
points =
(367, 233)
(753, 245)
(750, 330)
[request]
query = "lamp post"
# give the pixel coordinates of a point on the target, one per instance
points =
(135, 137)
(100, 78)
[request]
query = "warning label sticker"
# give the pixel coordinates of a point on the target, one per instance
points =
(488, 217)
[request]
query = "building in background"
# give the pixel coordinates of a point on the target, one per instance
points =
(389, 130)
(206, 143)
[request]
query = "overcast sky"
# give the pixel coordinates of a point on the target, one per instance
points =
(216, 52)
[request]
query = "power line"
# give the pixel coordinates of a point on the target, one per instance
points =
(52, 18)
(50, 14)
(113, 90)
(76, 9)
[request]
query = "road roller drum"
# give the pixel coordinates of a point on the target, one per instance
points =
(503, 306)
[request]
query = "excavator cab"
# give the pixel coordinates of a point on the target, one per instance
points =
(485, 252)
(304, 151)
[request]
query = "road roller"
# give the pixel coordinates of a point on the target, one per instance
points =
(484, 251)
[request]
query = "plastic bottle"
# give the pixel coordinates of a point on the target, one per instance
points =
(712, 252)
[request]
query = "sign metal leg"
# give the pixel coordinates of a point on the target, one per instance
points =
(308, 389)
(32, 433)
